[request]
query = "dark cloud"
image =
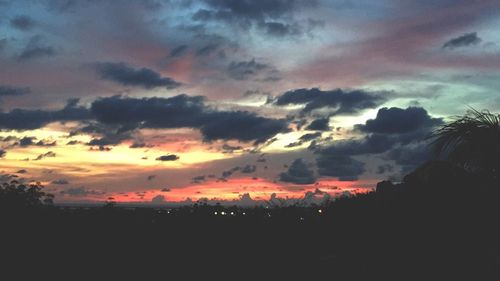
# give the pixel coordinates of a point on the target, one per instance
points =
(126, 75)
(32, 141)
(298, 173)
(60, 182)
(385, 168)
(158, 199)
(168, 157)
(465, 40)
(320, 124)
(2, 153)
(305, 138)
(207, 49)
(6, 90)
(36, 49)
(45, 155)
(230, 172)
(117, 117)
(343, 102)
(22, 171)
(222, 125)
(256, 9)
(274, 17)
(244, 70)
(178, 51)
(340, 166)
(391, 131)
(23, 119)
(198, 179)
(185, 111)
(398, 121)
(151, 177)
(370, 144)
(392, 127)
(230, 148)
(175, 112)
(22, 22)
(137, 145)
(249, 169)
(411, 156)
(279, 29)
(81, 192)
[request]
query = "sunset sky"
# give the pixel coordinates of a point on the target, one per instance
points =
(177, 100)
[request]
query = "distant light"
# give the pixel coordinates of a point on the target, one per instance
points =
(301, 218)
(232, 213)
(320, 211)
(223, 213)
(244, 213)
(215, 213)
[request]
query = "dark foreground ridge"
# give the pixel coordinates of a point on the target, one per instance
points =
(422, 228)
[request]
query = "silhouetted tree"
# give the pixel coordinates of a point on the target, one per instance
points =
(472, 141)
(14, 194)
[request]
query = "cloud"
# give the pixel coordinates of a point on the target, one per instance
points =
(60, 182)
(244, 70)
(188, 112)
(23, 119)
(391, 131)
(117, 117)
(207, 49)
(279, 29)
(178, 51)
(36, 49)
(305, 138)
(158, 199)
(22, 22)
(80, 192)
(6, 90)
(45, 155)
(343, 102)
(249, 169)
(273, 17)
(320, 124)
(343, 167)
(198, 179)
(31, 141)
(231, 148)
(411, 156)
(126, 75)
(382, 169)
(222, 125)
(298, 173)
(168, 157)
(465, 40)
(398, 121)
(2, 153)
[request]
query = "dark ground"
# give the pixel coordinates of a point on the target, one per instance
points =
(400, 232)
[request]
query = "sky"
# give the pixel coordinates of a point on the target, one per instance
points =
(179, 101)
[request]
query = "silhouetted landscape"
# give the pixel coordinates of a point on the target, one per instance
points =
(439, 223)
